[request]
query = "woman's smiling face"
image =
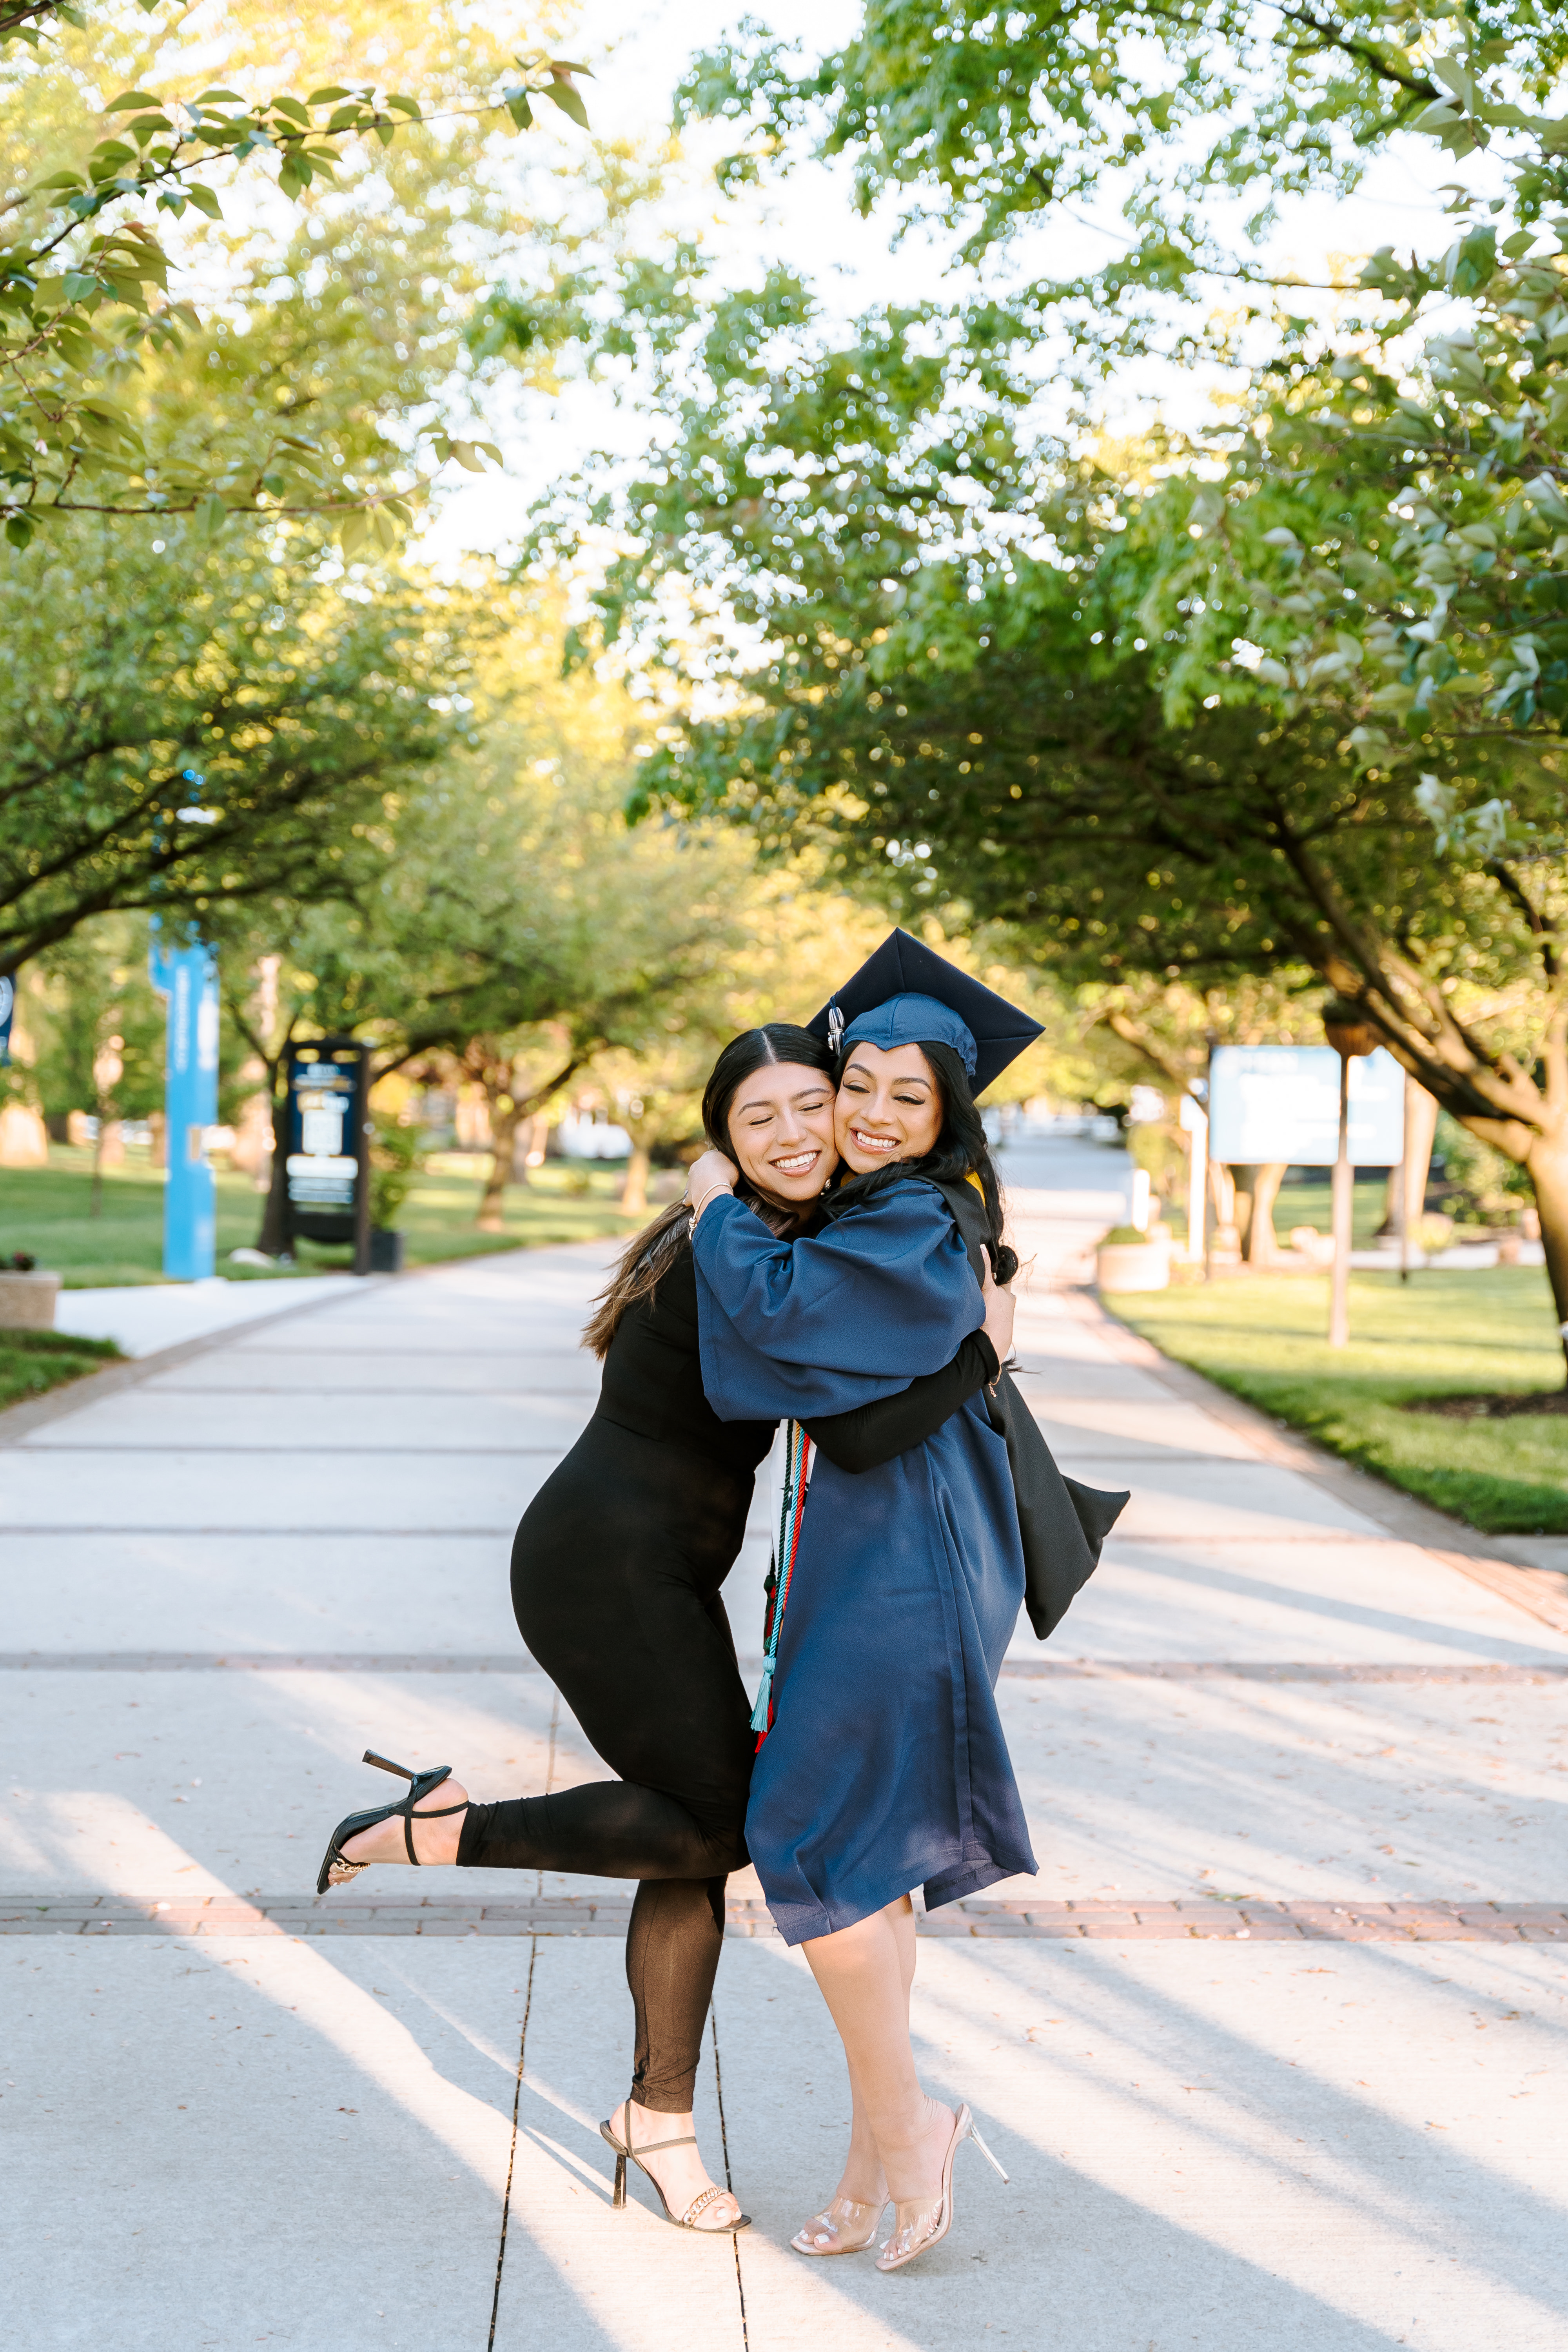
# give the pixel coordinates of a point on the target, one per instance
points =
(780, 1131)
(890, 1107)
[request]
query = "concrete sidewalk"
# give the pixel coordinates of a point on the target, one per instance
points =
(1269, 2048)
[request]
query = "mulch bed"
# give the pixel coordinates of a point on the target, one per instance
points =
(1492, 1407)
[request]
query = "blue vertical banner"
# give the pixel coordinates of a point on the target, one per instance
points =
(7, 1011)
(187, 977)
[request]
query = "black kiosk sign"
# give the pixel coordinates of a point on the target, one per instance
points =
(328, 1158)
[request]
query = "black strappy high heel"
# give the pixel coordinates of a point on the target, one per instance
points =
(335, 1870)
(699, 2203)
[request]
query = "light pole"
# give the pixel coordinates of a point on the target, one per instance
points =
(1351, 1037)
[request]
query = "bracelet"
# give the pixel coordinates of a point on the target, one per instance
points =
(697, 1207)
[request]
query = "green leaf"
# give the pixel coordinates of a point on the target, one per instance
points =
(327, 96)
(568, 100)
(352, 532)
(204, 201)
(292, 111)
(521, 111)
(131, 100)
(409, 105)
(18, 530)
(218, 98)
(211, 515)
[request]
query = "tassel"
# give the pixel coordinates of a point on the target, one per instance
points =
(764, 1698)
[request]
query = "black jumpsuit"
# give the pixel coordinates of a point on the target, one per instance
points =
(615, 1571)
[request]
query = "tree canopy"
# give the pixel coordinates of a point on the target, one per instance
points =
(85, 275)
(1287, 695)
(184, 725)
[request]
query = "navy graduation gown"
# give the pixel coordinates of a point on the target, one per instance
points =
(886, 1768)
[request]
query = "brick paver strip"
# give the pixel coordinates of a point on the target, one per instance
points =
(425, 1662)
(1028, 1917)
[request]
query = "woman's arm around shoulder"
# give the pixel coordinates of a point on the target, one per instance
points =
(886, 1286)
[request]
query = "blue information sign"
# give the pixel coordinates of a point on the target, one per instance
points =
(188, 977)
(1282, 1102)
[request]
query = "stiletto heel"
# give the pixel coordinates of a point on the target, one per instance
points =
(698, 2205)
(986, 2152)
(927, 2221)
(336, 1869)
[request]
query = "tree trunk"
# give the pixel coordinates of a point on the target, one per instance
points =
(1222, 1185)
(273, 1238)
(1547, 1168)
(1224, 1246)
(1408, 1182)
(504, 1125)
(1256, 1190)
(634, 1190)
(530, 1139)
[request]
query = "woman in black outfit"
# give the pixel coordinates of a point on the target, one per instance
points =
(616, 1576)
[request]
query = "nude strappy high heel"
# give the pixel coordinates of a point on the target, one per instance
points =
(699, 2203)
(921, 2223)
(844, 2226)
(336, 1869)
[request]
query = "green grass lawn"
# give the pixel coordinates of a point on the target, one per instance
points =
(47, 1210)
(33, 1362)
(1445, 1332)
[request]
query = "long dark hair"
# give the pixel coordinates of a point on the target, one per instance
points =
(650, 1257)
(961, 1151)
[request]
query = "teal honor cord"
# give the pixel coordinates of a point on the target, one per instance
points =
(786, 1543)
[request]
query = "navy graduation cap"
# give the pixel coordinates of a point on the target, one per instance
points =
(905, 995)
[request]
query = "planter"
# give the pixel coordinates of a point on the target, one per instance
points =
(27, 1301)
(1132, 1266)
(386, 1250)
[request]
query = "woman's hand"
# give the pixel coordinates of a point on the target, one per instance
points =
(1000, 1305)
(708, 1176)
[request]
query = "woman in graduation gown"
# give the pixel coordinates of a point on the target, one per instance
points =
(884, 1766)
(616, 1570)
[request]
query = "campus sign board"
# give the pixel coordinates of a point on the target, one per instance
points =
(1282, 1102)
(327, 1165)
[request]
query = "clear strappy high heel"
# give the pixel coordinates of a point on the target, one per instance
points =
(919, 2224)
(336, 1869)
(844, 2226)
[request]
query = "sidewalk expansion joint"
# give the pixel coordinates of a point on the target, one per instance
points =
(1029, 1918)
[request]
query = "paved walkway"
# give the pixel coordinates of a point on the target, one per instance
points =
(1272, 2048)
